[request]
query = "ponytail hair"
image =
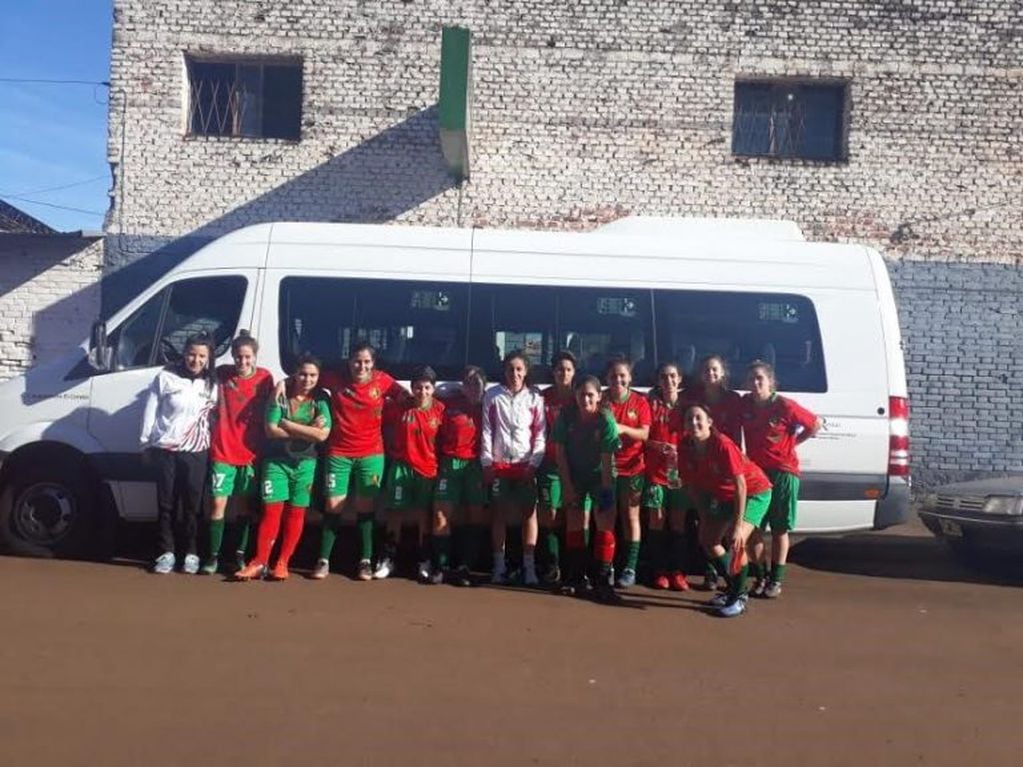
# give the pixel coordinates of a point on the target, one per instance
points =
(244, 338)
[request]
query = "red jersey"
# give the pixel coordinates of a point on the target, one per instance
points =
(771, 429)
(552, 406)
(415, 436)
(461, 428)
(726, 412)
(632, 411)
(238, 431)
(357, 410)
(715, 470)
(665, 430)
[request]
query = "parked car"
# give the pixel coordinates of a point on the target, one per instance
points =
(985, 513)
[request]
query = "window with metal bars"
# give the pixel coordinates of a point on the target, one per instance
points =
(250, 98)
(782, 118)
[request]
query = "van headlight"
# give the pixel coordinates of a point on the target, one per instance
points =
(1005, 505)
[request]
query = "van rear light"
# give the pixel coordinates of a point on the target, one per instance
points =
(898, 437)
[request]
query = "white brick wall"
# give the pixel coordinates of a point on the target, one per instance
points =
(584, 112)
(49, 296)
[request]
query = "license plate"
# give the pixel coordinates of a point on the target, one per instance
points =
(950, 528)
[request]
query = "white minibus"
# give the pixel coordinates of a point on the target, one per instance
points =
(654, 289)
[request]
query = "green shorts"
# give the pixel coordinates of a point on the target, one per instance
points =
(521, 492)
(354, 476)
(406, 488)
(589, 495)
(756, 508)
(227, 480)
(290, 481)
(459, 483)
(548, 483)
(781, 514)
(631, 488)
(662, 497)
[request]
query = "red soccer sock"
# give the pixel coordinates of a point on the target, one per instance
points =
(294, 521)
(269, 526)
(604, 547)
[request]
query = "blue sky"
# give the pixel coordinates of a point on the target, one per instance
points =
(53, 135)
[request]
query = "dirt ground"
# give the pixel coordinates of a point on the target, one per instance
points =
(882, 651)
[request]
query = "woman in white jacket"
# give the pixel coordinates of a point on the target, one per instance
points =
(511, 450)
(176, 439)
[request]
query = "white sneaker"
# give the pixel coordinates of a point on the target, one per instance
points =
(191, 566)
(321, 571)
(384, 569)
(164, 563)
(734, 608)
(425, 571)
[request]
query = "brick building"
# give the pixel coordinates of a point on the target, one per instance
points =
(894, 123)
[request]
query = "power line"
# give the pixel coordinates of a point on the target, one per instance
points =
(55, 188)
(42, 81)
(52, 205)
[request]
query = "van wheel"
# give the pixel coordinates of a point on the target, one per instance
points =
(49, 511)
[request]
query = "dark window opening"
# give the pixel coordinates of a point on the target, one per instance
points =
(255, 99)
(790, 119)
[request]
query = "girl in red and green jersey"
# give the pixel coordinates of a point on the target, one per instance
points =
(458, 497)
(732, 495)
(664, 498)
(712, 390)
(586, 439)
(294, 424)
(725, 405)
(631, 412)
(235, 442)
(355, 451)
(774, 426)
(555, 397)
(412, 472)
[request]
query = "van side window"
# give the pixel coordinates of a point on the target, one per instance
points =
(778, 328)
(593, 323)
(156, 332)
(410, 323)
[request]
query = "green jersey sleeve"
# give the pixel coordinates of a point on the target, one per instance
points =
(274, 412)
(323, 411)
(609, 441)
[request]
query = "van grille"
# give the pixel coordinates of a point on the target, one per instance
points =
(961, 503)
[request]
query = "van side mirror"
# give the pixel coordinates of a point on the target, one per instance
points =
(99, 350)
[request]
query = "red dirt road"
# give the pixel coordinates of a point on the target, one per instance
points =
(915, 660)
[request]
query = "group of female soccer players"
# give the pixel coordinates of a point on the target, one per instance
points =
(457, 465)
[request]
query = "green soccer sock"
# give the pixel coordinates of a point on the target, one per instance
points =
(632, 556)
(441, 551)
(738, 585)
(553, 546)
(721, 565)
(365, 523)
(331, 522)
(216, 536)
(757, 571)
(244, 526)
(777, 572)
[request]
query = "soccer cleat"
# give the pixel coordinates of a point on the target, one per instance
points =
(462, 577)
(677, 581)
(627, 579)
(772, 590)
(733, 608)
(210, 566)
(164, 563)
(239, 560)
(436, 577)
(661, 582)
(710, 581)
(529, 577)
(605, 593)
(191, 565)
(279, 573)
(424, 571)
(365, 572)
(384, 569)
(321, 571)
(719, 600)
(552, 574)
(759, 586)
(251, 571)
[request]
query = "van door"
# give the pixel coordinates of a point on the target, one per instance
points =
(149, 337)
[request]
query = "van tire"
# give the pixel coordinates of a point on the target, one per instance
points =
(50, 511)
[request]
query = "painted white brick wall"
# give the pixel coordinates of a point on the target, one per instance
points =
(49, 297)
